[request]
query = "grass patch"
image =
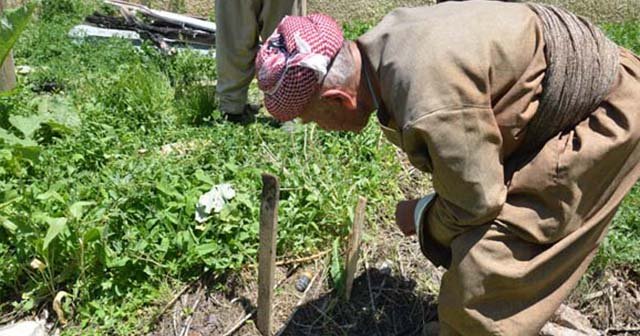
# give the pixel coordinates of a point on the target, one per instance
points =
(622, 244)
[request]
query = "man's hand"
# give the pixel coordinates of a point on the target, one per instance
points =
(405, 216)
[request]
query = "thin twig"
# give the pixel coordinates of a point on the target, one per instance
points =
(373, 305)
(4, 319)
(401, 266)
(609, 331)
(175, 326)
(287, 262)
(303, 259)
(244, 319)
(149, 260)
(199, 294)
(366, 271)
(240, 323)
(593, 296)
(328, 318)
(613, 309)
(175, 298)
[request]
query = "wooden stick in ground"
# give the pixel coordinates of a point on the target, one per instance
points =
(7, 70)
(267, 250)
(354, 246)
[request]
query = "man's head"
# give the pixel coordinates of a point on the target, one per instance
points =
(305, 73)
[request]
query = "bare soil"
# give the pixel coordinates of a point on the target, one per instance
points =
(393, 294)
(611, 300)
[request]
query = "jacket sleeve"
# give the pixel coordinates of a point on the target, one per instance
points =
(461, 147)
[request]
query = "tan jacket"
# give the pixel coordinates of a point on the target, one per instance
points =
(459, 82)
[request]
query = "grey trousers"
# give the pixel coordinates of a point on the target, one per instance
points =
(239, 25)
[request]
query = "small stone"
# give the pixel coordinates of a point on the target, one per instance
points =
(570, 318)
(385, 268)
(303, 282)
(26, 328)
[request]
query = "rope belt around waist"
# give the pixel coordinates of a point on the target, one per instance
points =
(582, 64)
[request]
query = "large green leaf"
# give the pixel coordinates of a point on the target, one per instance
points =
(26, 149)
(56, 226)
(77, 208)
(58, 112)
(207, 248)
(7, 224)
(26, 125)
(12, 23)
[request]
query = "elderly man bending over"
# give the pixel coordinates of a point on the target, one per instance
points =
(527, 118)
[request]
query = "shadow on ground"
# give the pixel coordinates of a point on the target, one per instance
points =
(381, 304)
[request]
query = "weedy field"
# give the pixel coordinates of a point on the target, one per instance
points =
(105, 149)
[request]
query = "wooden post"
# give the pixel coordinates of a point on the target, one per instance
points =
(354, 245)
(267, 250)
(7, 70)
(299, 7)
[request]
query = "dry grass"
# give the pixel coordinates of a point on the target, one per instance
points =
(372, 10)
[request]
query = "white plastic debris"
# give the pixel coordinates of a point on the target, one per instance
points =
(24, 69)
(83, 31)
(227, 191)
(213, 201)
(26, 328)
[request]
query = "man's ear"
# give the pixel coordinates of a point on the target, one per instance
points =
(344, 98)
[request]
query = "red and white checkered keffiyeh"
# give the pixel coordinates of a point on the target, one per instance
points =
(294, 59)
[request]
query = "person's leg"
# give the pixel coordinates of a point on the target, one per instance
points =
(499, 284)
(273, 11)
(508, 277)
(236, 47)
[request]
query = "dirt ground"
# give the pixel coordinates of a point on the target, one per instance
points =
(395, 293)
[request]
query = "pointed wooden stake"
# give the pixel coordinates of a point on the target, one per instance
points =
(267, 251)
(354, 246)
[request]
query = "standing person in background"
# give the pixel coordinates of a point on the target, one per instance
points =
(239, 25)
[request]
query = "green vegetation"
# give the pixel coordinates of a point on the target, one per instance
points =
(110, 214)
(622, 245)
(108, 208)
(625, 34)
(16, 21)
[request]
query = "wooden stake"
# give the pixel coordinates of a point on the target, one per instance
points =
(299, 7)
(267, 250)
(7, 70)
(354, 245)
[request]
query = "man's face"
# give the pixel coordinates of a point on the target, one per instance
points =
(331, 115)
